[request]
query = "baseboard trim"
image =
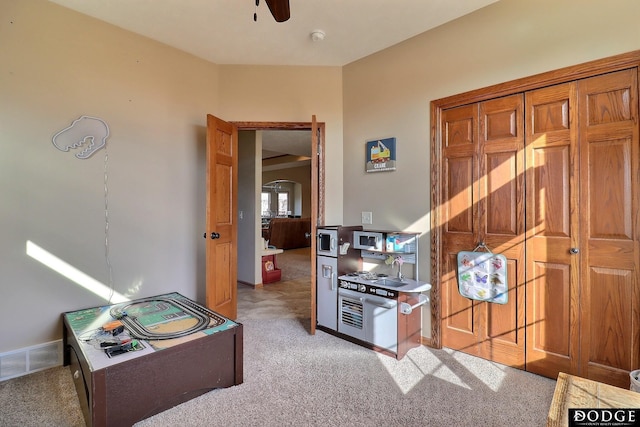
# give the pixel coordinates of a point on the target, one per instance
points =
(27, 360)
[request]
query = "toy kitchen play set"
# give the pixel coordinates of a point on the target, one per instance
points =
(379, 308)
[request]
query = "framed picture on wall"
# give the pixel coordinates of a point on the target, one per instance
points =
(381, 155)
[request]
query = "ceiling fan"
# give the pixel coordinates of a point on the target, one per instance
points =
(279, 9)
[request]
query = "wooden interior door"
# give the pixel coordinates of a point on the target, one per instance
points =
(552, 230)
(609, 227)
(483, 190)
(221, 225)
(460, 317)
(316, 137)
(582, 209)
(502, 222)
(582, 228)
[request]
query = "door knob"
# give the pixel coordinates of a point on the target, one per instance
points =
(574, 251)
(215, 235)
(307, 235)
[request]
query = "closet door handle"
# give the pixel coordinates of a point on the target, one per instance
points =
(574, 251)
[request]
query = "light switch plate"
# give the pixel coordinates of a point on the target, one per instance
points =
(367, 217)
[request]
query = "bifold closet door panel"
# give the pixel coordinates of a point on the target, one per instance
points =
(583, 186)
(610, 223)
(552, 230)
(501, 213)
(459, 138)
(483, 189)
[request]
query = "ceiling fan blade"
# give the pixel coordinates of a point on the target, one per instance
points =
(279, 9)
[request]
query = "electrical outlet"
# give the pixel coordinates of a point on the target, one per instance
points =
(367, 217)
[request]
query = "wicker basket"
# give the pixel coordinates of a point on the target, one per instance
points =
(635, 380)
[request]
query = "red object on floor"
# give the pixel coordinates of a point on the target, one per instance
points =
(270, 271)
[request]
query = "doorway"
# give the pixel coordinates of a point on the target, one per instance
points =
(286, 155)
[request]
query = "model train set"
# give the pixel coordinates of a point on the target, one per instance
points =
(160, 318)
(196, 349)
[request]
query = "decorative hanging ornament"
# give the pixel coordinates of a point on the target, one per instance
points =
(86, 134)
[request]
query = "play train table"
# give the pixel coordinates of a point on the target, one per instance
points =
(135, 359)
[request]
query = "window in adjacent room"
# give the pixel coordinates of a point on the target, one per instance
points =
(283, 204)
(265, 203)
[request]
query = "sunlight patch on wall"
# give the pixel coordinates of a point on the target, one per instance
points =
(73, 274)
(422, 224)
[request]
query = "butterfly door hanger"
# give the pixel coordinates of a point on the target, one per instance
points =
(482, 276)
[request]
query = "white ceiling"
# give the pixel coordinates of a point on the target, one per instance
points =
(285, 149)
(278, 142)
(223, 31)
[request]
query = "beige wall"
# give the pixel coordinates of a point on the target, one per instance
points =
(57, 65)
(291, 94)
(249, 228)
(388, 94)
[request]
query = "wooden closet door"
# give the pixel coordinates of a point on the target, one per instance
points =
(484, 198)
(583, 183)
(609, 227)
(552, 230)
(582, 219)
(502, 222)
(460, 317)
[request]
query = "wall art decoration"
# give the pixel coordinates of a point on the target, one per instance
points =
(86, 134)
(482, 276)
(381, 155)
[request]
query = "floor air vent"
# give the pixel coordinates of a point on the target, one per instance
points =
(30, 359)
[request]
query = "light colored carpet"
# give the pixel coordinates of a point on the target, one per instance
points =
(292, 378)
(47, 399)
(295, 379)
